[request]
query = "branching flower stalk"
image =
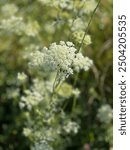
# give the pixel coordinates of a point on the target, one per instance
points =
(44, 40)
(43, 98)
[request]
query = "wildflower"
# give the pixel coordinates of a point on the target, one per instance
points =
(78, 36)
(76, 92)
(66, 4)
(62, 58)
(42, 145)
(27, 131)
(13, 25)
(71, 127)
(88, 6)
(65, 90)
(77, 24)
(22, 77)
(9, 9)
(105, 113)
(81, 62)
(32, 28)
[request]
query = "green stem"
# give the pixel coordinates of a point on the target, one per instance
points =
(55, 84)
(74, 103)
(87, 27)
(69, 36)
(86, 31)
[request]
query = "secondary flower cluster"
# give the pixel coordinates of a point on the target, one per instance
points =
(9, 9)
(63, 58)
(36, 94)
(78, 36)
(87, 6)
(42, 145)
(105, 113)
(46, 123)
(13, 24)
(63, 4)
(17, 25)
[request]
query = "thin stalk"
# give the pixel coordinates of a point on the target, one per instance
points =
(87, 27)
(77, 14)
(86, 31)
(54, 85)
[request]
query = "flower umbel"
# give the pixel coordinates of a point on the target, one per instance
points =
(62, 58)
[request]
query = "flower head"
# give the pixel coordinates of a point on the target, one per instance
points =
(62, 58)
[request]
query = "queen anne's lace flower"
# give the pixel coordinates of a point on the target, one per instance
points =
(71, 127)
(66, 4)
(88, 6)
(77, 24)
(22, 77)
(9, 9)
(31, 99)
(32, 28)
(13, 24)
(38, 92)
(42, 145)
(105, 114)
(17, 25)
(62, 58)
(81, 62)
(27, 131)
(78, 36)
(37, 58)
(63, 4)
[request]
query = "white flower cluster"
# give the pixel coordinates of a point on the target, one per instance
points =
(63, 4)
(88, 6)
(71, 127)
(17, 25)
(13, 24)
(22, 77)
(29, 49)
(105, 114)
(78, 36)
(36, 94)
(32, 28)
(77, 24)
(66, 4)
(62, 58)
(31, 99)
(82, 62)
(27, 132)
(48, 122)
(9, 9)
(42, 145)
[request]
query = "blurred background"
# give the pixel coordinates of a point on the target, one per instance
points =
(94, 106)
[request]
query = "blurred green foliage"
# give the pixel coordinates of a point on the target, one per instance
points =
(95, 85)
